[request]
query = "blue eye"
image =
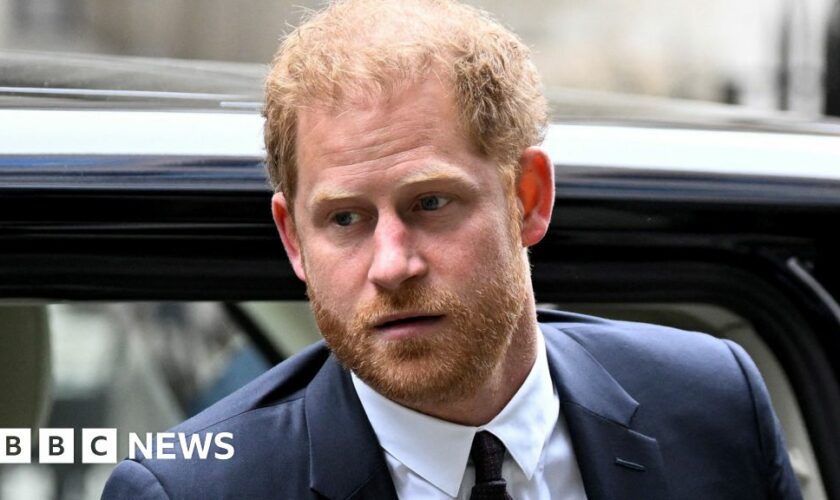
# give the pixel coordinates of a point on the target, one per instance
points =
(345, 218)
(430, 203)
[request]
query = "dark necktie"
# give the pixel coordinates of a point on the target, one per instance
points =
(487, 454)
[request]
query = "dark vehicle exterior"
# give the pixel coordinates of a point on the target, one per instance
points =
(142, 180)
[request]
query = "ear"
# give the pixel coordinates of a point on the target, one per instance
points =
(288, 233)
(536, 194)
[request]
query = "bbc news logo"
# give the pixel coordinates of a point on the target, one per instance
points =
(99, 446)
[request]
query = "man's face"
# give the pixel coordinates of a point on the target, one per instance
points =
(409, 245)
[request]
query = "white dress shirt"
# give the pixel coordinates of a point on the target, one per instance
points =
(429, 458)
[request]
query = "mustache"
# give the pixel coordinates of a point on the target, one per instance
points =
(417, 300)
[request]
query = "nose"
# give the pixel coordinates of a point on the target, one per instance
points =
(395, 257)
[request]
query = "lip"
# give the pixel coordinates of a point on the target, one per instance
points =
(409, 324)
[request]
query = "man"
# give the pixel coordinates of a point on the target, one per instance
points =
(400, 137)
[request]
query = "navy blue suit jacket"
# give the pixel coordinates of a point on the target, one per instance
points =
(653, 413)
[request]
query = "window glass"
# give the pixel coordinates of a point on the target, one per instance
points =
(136, 367)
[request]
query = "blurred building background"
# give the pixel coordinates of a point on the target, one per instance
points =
(761, 53)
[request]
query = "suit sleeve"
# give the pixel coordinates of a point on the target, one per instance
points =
(781, 482)
(132, 480)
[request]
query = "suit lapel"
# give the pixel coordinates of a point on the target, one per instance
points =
(345, 460)
(615, 461)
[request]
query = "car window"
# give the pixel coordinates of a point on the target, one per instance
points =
(136, 367)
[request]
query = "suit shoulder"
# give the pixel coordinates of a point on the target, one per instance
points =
(264, 425)
(649, 359)
(282, 384)
(655, 364)
(609, 339)
(677, 376)
(132, 481)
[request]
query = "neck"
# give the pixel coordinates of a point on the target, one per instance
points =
(509, 375)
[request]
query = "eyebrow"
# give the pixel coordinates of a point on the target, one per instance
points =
(431, 173)
(329, 194)
(435, 173)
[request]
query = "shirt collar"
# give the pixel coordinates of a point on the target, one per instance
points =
(438, 450)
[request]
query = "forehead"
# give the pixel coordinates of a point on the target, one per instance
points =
(411, 111)
(415, 127)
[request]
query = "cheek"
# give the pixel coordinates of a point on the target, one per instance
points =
(474, 250)
(335, 275)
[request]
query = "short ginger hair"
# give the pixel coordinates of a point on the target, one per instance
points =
(357, 49)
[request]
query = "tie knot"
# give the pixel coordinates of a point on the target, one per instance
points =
(488, 454)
